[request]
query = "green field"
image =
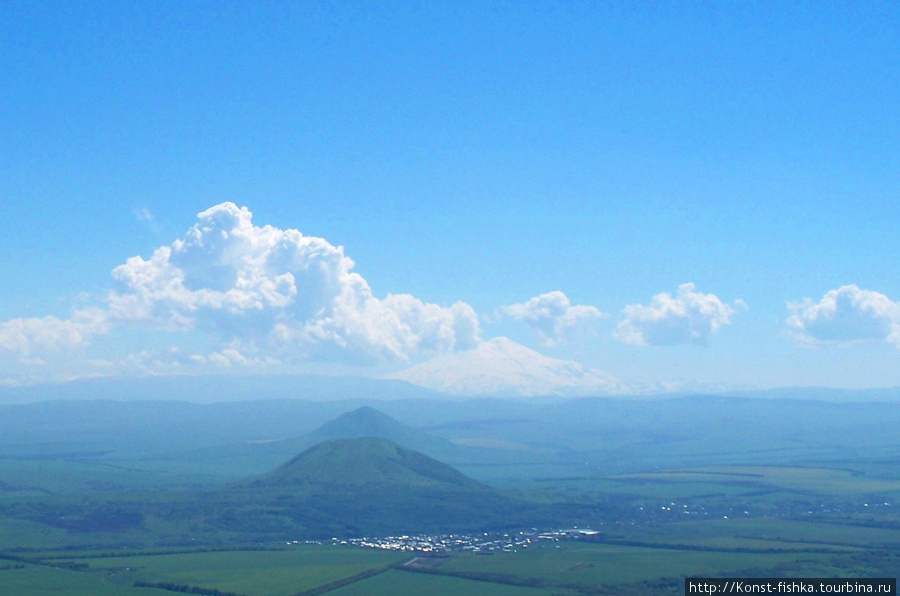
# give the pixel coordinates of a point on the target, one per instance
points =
(251, 573)
(44, 581)
(573, 568)
(404, 583)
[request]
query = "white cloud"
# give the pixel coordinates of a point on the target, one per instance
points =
(845, 315)
(278, 290)
(50, 334)
(174, 360)
(144, 215)
(241, 296)
(552, 317)
(687, 317)
(231, 357)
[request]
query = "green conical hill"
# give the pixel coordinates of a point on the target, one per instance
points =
(365, 461)
(365, 487)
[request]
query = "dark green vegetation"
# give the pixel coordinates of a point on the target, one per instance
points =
(363, 487)
(129, 498)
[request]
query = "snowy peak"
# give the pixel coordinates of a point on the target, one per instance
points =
(503, 367)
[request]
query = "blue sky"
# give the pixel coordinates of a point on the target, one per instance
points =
(485, 154)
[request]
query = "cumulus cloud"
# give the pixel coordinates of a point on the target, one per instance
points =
(278, 290)
(689, 317)
(845, 315)
(49, 334)
(173, 359)
(254, 297)
(552, 317)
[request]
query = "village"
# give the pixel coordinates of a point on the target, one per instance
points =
(486, 543)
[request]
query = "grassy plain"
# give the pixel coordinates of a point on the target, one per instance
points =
(405, 583)
(586, 565)
(250, 573)
(32, 580)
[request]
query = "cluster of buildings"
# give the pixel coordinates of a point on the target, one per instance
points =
(486, 543)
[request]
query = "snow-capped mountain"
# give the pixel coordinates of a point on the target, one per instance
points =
(503, 367)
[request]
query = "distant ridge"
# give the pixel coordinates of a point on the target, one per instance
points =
(222, 388)
(829, 394)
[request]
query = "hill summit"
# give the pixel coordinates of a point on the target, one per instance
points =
(367, 422)
(362, 422)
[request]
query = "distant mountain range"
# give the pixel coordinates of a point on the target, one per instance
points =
(502, 367)
(221, 388)
(499, 368)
